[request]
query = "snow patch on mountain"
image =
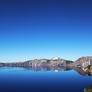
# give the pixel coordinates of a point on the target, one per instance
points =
(56, 58)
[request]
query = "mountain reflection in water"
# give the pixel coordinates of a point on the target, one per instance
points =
(54, 68)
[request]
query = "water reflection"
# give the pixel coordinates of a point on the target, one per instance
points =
(53, 68)
(24, 77)
(44, 68)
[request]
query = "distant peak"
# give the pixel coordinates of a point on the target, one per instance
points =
(56, 58)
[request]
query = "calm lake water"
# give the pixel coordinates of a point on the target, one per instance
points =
(14, 79)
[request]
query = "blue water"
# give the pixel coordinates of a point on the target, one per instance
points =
(25, 80)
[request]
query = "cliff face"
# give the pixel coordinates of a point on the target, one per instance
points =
(82, 62)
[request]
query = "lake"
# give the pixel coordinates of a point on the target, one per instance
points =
(18, 79)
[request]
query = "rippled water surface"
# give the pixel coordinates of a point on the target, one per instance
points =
(14, 79)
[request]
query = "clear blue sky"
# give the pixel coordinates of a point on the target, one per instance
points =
(31, 29)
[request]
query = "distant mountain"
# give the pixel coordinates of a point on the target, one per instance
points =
(56, 61)
(82, 62)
